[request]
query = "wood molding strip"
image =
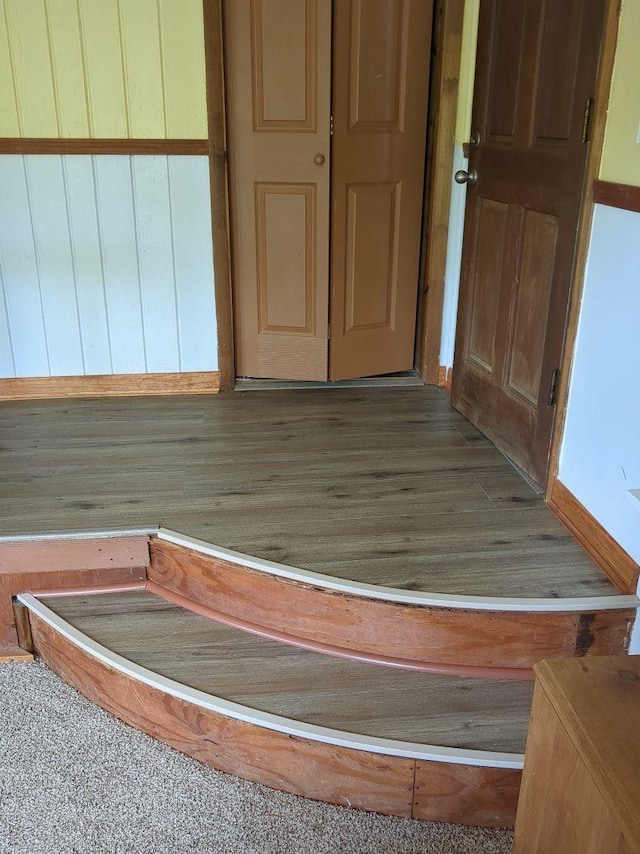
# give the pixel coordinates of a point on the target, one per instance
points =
(409, 597)
(24, 145)
(77, 535)
(14, 653)
(107, 385)
(617, 564)
(333, 650)
(88, 590)
(289, 726)
(623, 196)
(219, 187)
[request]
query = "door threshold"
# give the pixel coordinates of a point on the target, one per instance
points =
(406, 379)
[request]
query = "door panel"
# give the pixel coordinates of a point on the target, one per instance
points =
(380, 87)
(278, 61)
(536, 67)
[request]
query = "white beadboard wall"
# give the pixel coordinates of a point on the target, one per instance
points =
(106, 265)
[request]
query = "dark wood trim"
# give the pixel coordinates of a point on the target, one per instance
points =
(613, 560)
(623, 196)
(214, 62)
(196, 147)
(106, 385)
(445, 378)
(598, 125)
(443, 100)
(495, 639)
(382, 783)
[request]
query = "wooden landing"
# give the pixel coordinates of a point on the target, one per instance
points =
(390, 487)
(363, 735)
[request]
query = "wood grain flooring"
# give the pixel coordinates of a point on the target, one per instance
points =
(385, 486)
(366, 699)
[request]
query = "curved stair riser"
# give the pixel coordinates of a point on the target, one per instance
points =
(457, 637)
(395, 785)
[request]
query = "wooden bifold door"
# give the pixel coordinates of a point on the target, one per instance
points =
(327, 108)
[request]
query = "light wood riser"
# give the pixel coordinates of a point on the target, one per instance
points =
(370, 781)
(64, 563)
(460, 638)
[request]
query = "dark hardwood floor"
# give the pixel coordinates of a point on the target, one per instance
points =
(385, 486)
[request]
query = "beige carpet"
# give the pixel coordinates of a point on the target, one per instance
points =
(75, 779)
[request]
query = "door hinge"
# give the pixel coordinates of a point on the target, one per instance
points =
(553, 387)
(586, 120)
(330, 125)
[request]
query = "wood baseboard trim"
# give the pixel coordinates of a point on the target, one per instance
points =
(445, 378)
(104, 146)
(109, 385)
(14, 653)
(623, 196)
(617, 564)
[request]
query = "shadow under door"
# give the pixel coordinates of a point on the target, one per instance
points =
(327, 115)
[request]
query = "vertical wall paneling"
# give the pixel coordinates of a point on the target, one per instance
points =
(183, 68)
(142, 64)
(87, 263)
(9, 124)
(102, 68)
(31, 63)
(67, 63)
(105, 265)
(196, 310)
(50, 224)
(104, 71)
(155, 262)
(20, 271)
(7, 362)
(120, 262)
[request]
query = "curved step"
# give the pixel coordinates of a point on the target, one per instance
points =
(363, 735)
(437, 629)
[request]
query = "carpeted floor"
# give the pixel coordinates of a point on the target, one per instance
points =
(75, 779)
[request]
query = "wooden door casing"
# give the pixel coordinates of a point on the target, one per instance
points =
(380, 91)
(536, 67)
(278, 60)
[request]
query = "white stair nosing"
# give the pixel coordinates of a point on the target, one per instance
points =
(299, 729)
(346, 586)
(407, 597)
(79, 534)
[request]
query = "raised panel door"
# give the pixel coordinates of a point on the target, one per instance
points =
(279, 72)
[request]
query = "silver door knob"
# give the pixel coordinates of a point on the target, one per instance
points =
(319, 159)
(462, 177)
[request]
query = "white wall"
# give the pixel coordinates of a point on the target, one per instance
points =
(600, 458)
(106, 265)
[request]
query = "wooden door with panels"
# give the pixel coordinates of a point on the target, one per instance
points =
(299, 195)
(536, 71)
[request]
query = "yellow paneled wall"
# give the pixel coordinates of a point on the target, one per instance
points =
(102, 69)
(621, 155)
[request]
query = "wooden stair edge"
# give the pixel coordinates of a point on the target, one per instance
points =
(397, 595)
(384, 775)
(435, 635)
